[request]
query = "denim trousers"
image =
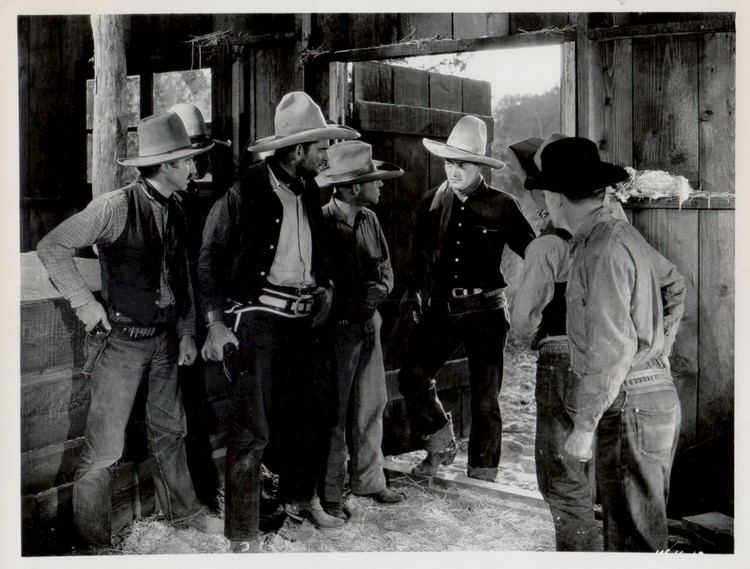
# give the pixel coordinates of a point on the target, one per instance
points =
(362, 398)
(282, 411)
(637, 438)
(565, 483)
(432, 342)
(117, 365)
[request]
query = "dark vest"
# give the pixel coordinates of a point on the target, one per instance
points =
(131, 267)
(555, 313)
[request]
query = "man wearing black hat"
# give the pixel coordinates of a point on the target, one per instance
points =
(143, 329)
(263, 267)
(457, 286)
(624, 305)
(362, 272)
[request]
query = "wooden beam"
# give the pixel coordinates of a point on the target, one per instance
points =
(584, 57)
(405, 119)
(713, 25)
(568, 88)
(110, 102)
(430, 47)
(338, 100)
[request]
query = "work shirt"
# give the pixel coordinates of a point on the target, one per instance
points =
(545, 270)
(292, 263)
(102, 222)
(359, 255)
(625, 302)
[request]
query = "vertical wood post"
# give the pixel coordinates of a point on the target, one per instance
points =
(110, 98)
(338, 100)
(584, 56)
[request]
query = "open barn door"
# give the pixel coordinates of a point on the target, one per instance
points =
(394, 107)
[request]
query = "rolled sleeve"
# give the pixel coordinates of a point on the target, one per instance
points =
(214, 262)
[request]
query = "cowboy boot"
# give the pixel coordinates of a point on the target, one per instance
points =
(441, 448)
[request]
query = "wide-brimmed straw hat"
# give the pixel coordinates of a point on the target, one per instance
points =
(351, 162)
(195, 125)
(466, 143)
(529, 154)
(162, 138)
(299, 119)
(572, 167)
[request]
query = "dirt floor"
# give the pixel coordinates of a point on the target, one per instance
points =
(428, 520)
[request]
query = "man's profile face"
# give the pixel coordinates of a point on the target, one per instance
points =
(555, 210)
(461, 175)
(314, 158)
(178, 172)
(369, 193)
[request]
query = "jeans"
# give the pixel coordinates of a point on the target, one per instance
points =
(117, 366)
(282, 412)
(637, 438)
(362, 398)
(565, 483)
(435, 338)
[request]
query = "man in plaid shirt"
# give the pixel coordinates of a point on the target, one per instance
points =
(144, 327)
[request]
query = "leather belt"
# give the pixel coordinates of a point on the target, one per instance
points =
(464, 292)
(276, 300)
(486, 300)
(138, 332)
(554, 346)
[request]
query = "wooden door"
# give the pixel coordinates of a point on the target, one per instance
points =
(394, 107)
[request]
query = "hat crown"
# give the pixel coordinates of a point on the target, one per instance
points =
(469, 134)
(161, 134)
(192, 119)
(350, 156)
(565, 154)
(297, 112)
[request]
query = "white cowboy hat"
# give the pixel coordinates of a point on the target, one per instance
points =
(466, 143)
(299, 119)
(162, 138)
(351, 162)
(195, 125)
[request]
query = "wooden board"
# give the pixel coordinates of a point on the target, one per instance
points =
(366, 30)
(665, 105)
(425, 25)
(51, 335)
(476, 96)
(533, 21)
(373, 82)
(568, 88)
(405, 119)
(411, 87)
(470, 24)
(717, 106)
(445, 92)
(673, 233)
(612, 101)
(716, 340)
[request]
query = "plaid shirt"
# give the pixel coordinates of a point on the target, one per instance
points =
(102, 222)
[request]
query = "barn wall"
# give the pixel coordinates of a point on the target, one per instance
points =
(680, 118)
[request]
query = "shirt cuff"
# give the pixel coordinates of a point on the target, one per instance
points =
(81, 297)
(185, 328)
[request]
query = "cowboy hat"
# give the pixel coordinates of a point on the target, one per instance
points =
(466, 143)
(351, 162)
(572, 167)
(162, 138)
(195, 125)
(299, 119)
(529, 154)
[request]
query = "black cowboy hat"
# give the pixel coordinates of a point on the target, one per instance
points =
(572, 167)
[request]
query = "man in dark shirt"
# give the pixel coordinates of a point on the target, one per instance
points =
(362, 274)
(262, 266)
(143, 329)
(455, 289)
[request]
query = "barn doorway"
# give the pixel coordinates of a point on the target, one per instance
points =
(395, 103)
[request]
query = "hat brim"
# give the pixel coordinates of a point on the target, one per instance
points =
(383, 171)
(204, 141)
(165, 157)
(581, 183)
(274, 142)
(443, 150)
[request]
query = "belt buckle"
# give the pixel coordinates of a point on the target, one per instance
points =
(296, 305)
(459, 292)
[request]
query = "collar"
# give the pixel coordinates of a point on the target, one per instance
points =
(464, 195)
(597, 216)
(296, 185)
(343, 210)
(155, 194)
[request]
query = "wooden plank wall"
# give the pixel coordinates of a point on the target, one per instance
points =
(667, 102)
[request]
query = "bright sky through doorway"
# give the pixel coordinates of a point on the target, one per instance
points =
(529, 70)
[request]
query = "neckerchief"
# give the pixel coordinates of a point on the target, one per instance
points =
(296, 185)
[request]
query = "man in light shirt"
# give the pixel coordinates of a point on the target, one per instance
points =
(262, 267)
